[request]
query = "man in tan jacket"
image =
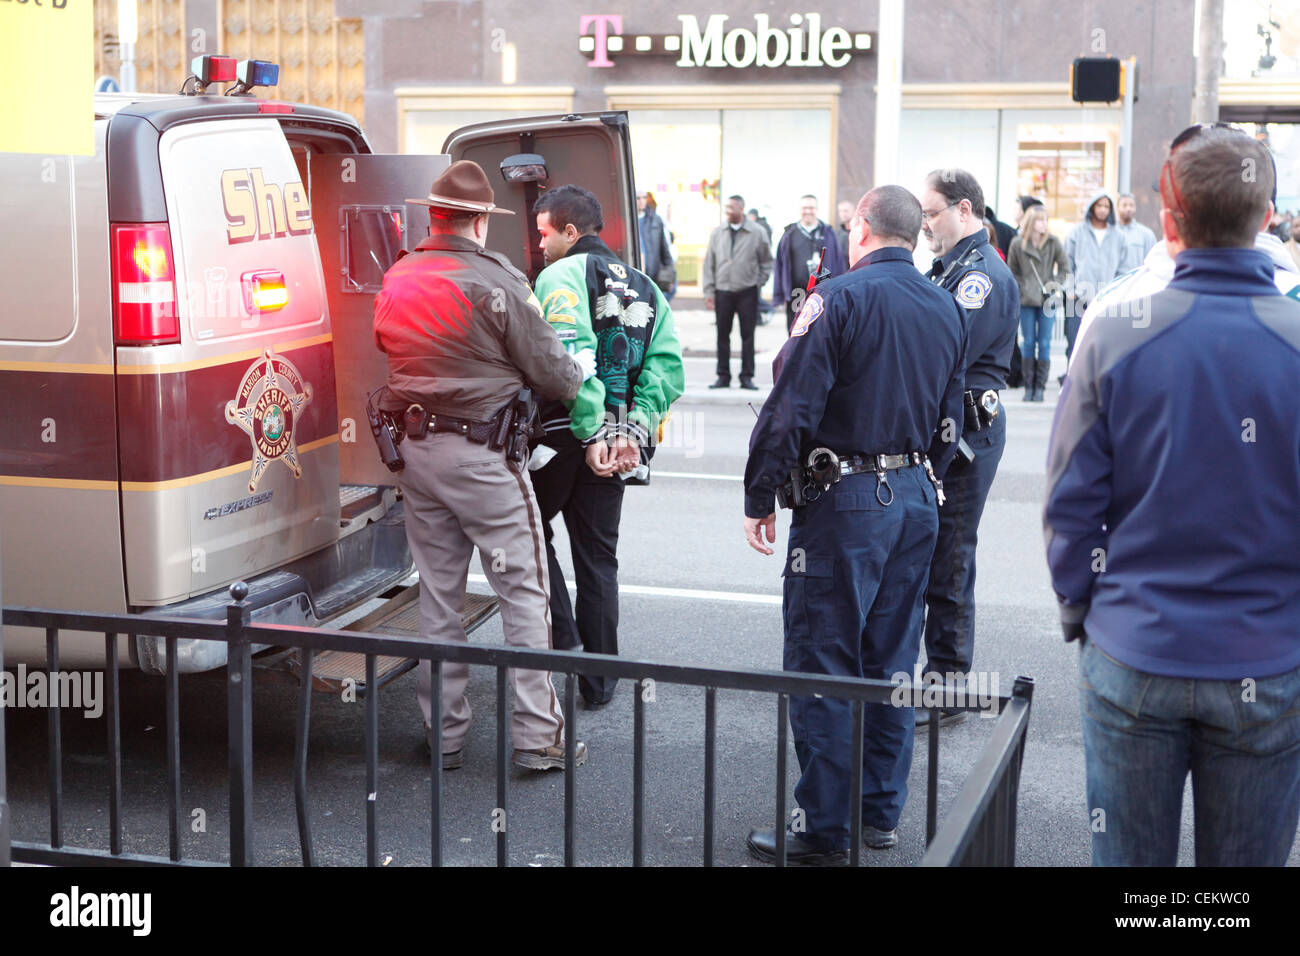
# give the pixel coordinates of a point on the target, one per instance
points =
(463, 333)
(736, 265)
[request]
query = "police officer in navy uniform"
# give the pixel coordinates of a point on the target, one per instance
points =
(874, 365)
(970, 269)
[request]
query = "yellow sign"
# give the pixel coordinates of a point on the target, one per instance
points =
(47, 73)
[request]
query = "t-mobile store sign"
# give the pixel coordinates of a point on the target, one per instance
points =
(803, 43)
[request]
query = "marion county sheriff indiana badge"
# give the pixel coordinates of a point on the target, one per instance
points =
(271, 397)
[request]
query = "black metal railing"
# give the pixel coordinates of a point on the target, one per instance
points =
(980, 828)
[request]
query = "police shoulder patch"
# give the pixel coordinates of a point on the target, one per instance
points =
(973, 289)
(812, 308)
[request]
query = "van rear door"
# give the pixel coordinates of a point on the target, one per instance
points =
(362, 223)
(591, 150)
(229, 436)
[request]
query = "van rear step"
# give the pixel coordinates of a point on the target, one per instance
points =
(399, 615)
(357, 500)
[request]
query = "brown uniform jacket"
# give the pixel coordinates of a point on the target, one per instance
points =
(463, 332)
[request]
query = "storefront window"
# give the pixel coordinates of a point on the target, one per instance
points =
(677, 156)
(1064, 165)
(692, 160)
(1063, 175)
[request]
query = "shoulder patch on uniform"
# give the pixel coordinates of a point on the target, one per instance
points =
(973, 289)
(618, 270)
(561, 305)
(812, 308)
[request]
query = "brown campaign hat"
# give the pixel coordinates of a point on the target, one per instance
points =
(463, 185)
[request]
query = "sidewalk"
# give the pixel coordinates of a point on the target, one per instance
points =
(698, 333)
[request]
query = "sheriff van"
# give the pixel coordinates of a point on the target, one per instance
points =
(186, 349)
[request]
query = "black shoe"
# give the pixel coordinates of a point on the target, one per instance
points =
(946, 717)
(878, 839)
(721, 383)
(748, 384)
(762, 846)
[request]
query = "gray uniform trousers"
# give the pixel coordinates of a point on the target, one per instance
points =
(460, 495)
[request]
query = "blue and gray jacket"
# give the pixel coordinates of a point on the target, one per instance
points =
(1173, 476)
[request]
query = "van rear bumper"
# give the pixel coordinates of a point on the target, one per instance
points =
(306, 592)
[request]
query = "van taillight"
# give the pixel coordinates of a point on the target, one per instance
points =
(144, 285)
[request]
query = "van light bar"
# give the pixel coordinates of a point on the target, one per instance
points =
(257, 73)
(264, 291)
(212, 68)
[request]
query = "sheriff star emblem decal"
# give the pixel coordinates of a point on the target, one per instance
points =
(272, 396)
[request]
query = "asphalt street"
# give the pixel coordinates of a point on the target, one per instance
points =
(693, 593)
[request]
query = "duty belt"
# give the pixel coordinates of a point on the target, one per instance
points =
(418, 422)
(857, 464)
(824, 468)
(981, 407)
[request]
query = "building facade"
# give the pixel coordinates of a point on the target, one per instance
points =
(772, 100)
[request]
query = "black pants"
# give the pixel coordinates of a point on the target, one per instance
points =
(728, 305)
(591, 507)
(791, 313)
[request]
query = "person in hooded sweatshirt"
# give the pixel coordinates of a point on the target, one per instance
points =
(1096, 252)
(1157, 270)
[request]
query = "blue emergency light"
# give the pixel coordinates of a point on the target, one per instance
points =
(258, 73)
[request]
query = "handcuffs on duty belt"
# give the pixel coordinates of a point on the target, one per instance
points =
(823, 468)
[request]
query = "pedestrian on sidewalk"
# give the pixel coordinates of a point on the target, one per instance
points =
(1038, 261)
(805, 245)
(737, 264)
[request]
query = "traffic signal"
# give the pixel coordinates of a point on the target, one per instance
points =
(1095, 79)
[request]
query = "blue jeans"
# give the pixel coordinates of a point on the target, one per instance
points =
(1142, 733)
(1035, 333)
(854, 579)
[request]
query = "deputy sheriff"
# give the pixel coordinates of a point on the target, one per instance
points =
(463, 334)
(873, 367)
(969, 267)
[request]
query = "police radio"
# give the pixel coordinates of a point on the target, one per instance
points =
(386, 435)
(819, 273)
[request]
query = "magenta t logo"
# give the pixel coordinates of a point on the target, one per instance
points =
(602, 22)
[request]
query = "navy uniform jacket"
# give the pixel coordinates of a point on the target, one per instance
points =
(974, 273)
(875, 365)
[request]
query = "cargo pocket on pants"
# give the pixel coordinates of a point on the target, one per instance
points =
(809, 591)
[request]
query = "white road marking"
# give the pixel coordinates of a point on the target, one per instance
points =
(694, 474)
(698, 595)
